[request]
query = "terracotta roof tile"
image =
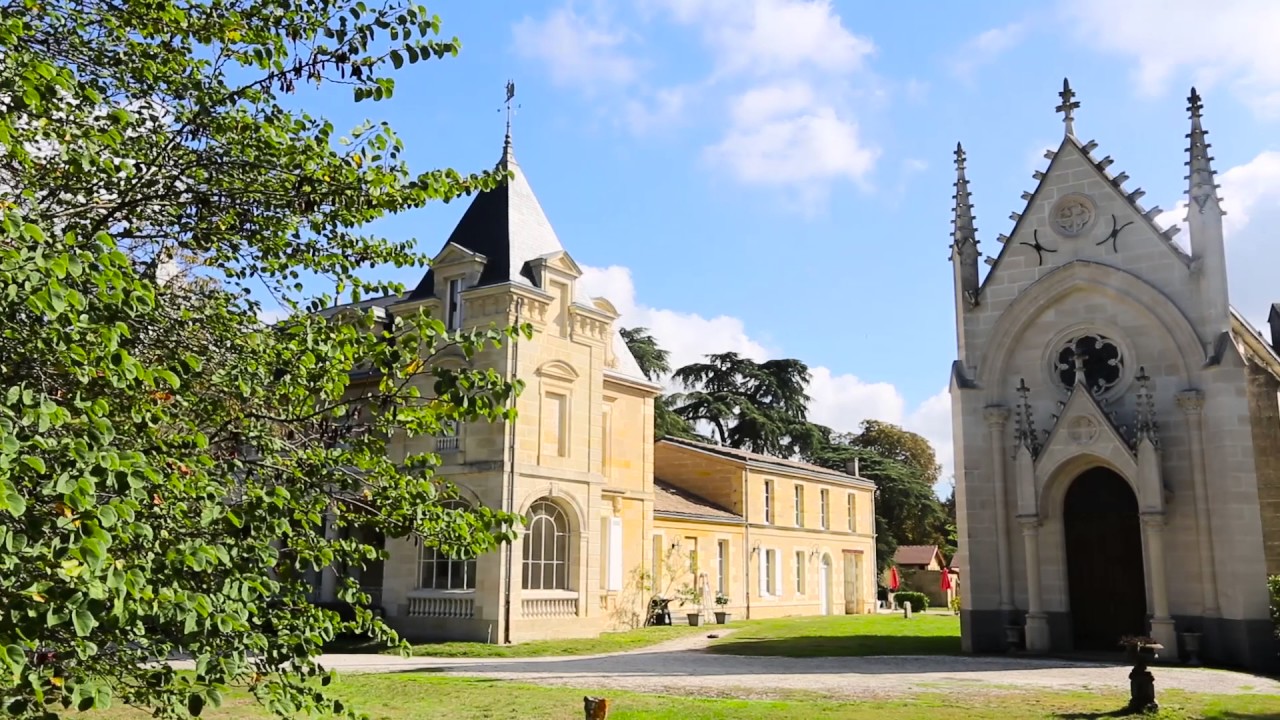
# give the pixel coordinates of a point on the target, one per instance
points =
(915, 554)
(671, 500)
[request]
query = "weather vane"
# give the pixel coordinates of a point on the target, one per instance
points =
(510, 107)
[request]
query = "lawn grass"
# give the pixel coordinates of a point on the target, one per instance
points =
(844, 636)
(606, 643)
(417, 696)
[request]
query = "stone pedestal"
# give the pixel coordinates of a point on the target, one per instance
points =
(1163, 632)
(1038, 632)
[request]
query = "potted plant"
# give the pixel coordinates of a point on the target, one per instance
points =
(1142, 684)
(722, 616)
(691, 595)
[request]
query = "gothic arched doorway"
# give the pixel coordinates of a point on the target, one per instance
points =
(1105, 577)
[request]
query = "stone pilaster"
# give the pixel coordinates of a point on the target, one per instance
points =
(1037, 628)
(997, 417)
(1162, 629)
(1191, 402)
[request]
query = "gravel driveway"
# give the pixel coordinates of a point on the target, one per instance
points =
(678, 667)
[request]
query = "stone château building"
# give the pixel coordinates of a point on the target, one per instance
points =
(1116, 422)
(579, 465)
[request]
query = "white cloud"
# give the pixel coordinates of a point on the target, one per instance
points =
(1251, 196)
(840, 401)
(986, 47)
(1231, 41)
(661, 108)
(811, 144)
(579, 51)
(773, 36)
(791, 121)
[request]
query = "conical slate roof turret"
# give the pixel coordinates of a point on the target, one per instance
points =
(507, 225)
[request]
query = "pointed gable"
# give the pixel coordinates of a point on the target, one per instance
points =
(1083, 426)
(1079, 210)
(507, 226)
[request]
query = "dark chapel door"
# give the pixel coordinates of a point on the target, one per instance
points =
(1105, 577)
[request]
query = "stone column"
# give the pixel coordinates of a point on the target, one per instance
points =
(1037, 621)
(1191, 402)
(1162, 629)
(997, 416)
(329, 575)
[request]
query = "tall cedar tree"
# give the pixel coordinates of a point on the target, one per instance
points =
(655, 363)
(760, 407)
(169, 468)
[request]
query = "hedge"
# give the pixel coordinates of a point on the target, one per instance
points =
(919, 601)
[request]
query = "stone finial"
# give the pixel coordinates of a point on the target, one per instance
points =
(1024, 426)
(1201, 188)
(1068, 107)
(1146, 425)
(963, 219)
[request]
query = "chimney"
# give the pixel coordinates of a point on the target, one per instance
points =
(851, 466)
(1274, 321)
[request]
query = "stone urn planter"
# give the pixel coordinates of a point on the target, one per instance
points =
(695, 619)
(1012, 637)
(1191, 643)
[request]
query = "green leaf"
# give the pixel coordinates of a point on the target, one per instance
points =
(397, 60)
(84, 622)
(36, 463)
(195, 704)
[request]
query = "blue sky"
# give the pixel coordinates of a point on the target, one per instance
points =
(774, 176)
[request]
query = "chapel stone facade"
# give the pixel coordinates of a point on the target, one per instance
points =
(1116, 422)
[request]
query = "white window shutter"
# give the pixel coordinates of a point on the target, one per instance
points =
(777, 573)
(615, 554)
(764, 573)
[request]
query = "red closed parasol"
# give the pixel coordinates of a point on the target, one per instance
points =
(893, 578)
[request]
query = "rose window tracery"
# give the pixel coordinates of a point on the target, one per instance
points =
(1096, 357)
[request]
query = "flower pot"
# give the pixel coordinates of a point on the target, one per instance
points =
(1013, 636)
(695, 619)
(722, 617)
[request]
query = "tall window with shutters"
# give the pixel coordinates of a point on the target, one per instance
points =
(824, 505)
(799, 505)
(768, 502)
(800, 562)
(722, 567)
(453, 305)
(853, 512)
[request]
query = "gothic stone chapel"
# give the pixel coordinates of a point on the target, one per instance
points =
(1116, 422)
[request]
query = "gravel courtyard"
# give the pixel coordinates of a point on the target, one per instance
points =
(679, 667)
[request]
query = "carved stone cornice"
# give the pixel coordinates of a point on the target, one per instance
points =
(997, 416)
(1152, 519)
(1030, 524)
(1190, 402)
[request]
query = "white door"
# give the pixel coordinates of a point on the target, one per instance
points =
(824, 584)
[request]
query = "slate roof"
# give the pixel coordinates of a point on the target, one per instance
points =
(915, 554)
(507, 226)
(750, 457)
(671, 500)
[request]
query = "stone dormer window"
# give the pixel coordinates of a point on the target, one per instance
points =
(453, 304)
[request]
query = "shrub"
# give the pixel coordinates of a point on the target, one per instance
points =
(1273, 585)
(955, 604)
(919, 601)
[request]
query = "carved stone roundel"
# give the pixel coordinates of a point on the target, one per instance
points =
(1082, 430)
(1071, 215)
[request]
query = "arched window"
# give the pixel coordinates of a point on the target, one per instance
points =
(546, 548)
(438, 571)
